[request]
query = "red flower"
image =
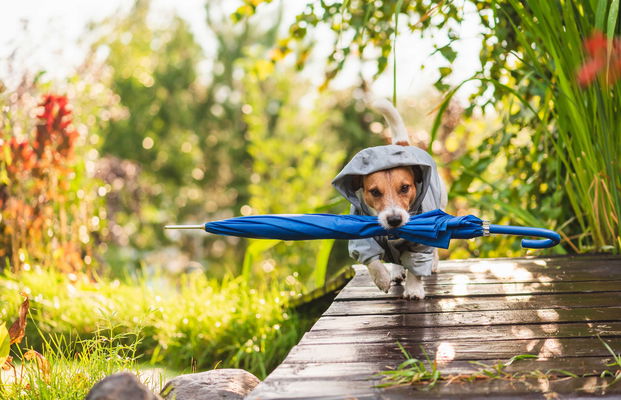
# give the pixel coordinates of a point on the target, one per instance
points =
(599, 60)
(21, 156)
(55, 131)
(596, 43)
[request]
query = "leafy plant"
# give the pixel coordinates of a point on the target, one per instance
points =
(68, 368)
(426, 375)
(48, 204)
(364, 31)
(287, 141)
(411, 372)
(616, 362)
(194, 321)
(585, 121)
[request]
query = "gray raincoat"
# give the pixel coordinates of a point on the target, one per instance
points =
(430, 194)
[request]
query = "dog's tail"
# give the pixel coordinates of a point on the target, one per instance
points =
(399, 133)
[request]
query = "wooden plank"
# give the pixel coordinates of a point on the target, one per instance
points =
(364, 371)
(528, 389)
(461, 351)
(499, 289)
(517, 274)
(569, 263)
(519, 302)
(467, 333)
(476, 310)
(473, 318)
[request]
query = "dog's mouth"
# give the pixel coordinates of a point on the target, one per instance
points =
(393, 217)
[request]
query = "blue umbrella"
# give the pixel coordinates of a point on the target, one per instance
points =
(434, 228)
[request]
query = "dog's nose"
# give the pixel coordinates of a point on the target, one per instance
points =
(394, 220)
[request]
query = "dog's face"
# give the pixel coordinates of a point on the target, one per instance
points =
(390, 194)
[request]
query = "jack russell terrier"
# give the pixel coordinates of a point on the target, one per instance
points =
(393, 182)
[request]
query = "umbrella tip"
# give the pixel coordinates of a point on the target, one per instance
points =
(202, 227)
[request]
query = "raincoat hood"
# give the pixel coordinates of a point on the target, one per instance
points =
(374, 159)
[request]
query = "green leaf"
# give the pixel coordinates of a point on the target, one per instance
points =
(520, 357)
(562, 371)
(321, 264)
(253, 252)
(441, 86)
(613, 17)
(448, 53)
(5, 344)
(600, 14)
(444, 71)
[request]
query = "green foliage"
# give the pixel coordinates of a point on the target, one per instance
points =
(198, 321)
(363, 30)
(295, 154)
(412, 371)
(544, 166)
(615, 363)
(5, 344)
(558, 143)
(425, 374)
(584, 121)
(68, 368)
(49, 207)
(162, 130)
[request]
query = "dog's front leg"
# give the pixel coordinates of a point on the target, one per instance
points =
(418, 263)
(397, 273)
(436, 261)
(379, 275)
(414, 288)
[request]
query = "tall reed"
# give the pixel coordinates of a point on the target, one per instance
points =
(584, 124)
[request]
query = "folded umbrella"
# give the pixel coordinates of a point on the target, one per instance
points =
(434, 228)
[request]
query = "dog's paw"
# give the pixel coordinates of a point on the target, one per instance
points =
(414, 288)
(414, 293)
(379, 275)
(397, 273)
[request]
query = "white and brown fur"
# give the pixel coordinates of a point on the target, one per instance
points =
(389, 194)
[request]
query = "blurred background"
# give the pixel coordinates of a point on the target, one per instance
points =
(119, 117)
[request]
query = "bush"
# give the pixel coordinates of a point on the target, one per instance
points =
(48, 213)
(199, 322)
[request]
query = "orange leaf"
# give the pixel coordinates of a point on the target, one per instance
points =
(18, 329)
(8, 363)
(42, 363)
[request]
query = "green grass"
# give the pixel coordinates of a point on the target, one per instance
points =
(412, 372)
(72, 366)
(425, 375)
(616, 362)
(585, 121)
(194, 323)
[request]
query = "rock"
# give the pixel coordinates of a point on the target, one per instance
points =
(214, 384)
(121, 386)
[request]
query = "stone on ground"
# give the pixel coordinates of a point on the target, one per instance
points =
(229, 384)
(121, 386)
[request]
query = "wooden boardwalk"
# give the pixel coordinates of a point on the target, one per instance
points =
(476, 310)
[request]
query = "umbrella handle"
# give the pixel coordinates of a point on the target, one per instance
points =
(551, 238)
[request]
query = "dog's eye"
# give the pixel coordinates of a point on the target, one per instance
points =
(405, 188)
(375, 193)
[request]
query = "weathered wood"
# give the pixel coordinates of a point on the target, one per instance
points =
(492, 289)
(469, 351)
(466, 333)
(518, 273)
(558, 309)
(531, 389)
(461, 319)
(365, 371)
(500, 303)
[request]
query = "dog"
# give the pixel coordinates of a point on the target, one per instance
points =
(392, 182)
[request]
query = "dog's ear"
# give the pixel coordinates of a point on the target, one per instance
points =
(356, 182)
(418, 173)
